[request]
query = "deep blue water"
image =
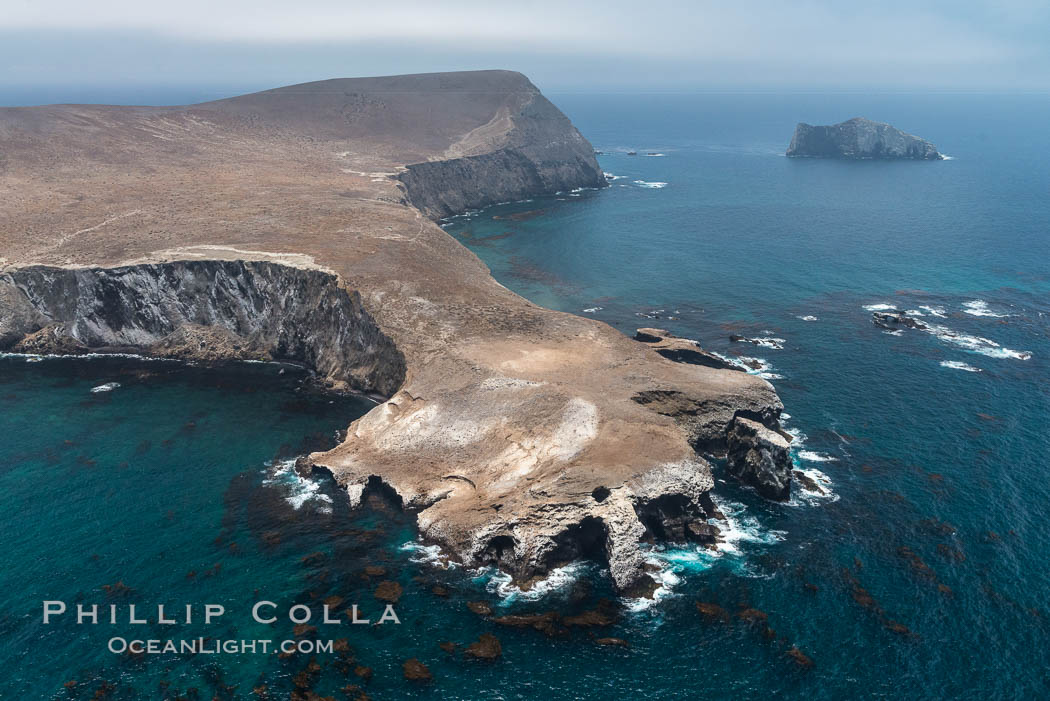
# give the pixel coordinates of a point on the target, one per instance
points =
(742, 240)
(936, 517)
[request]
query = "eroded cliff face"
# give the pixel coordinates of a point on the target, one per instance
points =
(444, 188)
(541, 154)
(203, 310)
(758, 456)
(275, 225)
(536, 475)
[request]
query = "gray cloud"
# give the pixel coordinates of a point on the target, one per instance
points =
(587, 44)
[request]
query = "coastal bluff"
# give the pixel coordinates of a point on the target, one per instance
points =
(298, 224)
(859, 139)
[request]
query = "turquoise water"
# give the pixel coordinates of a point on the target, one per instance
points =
(935, 518)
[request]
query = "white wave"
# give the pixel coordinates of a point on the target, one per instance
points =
(979, 307)
(913, 312)
(977, 344)
(36, 357)
(613, 176)
(28, 357)
(502, 584)
(654, 155)
(974, 344)
(804, 497)
(108, 387)
(469, 214)
(933, 311)
(813, 456)
(740, 528)
(880, 307)
(654, 185)
(774, 343)
(807, 317)
(946, 157)
(958, 365)
(592, 310)
(752, 366)
(670, 564)
(423, 554)
(300, 490)
(677, 561)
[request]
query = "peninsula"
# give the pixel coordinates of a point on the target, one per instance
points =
(859, 139)
(299, 224)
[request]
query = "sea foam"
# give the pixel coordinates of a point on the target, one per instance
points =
(299, 490)
(958, 365)
(977, 344)
(933, 311)
(502, 584)
(979, 307)
(423, 554)
(739, 530)
(974, 344)
(813, 456)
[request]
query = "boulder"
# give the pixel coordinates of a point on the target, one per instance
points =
(758, 456)
(895, 319)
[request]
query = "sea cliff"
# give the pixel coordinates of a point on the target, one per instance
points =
(297, 224)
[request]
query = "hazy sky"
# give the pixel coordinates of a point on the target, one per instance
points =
(563, 45)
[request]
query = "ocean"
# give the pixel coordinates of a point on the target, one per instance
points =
(919, 572)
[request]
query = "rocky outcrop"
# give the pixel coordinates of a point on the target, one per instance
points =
(705, 422)
(759, 457)
(896, 319)
(682, 350)
(859, 138)
(291, 224)
(542, 153)
(202, 310)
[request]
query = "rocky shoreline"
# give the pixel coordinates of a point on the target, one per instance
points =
(297, 224)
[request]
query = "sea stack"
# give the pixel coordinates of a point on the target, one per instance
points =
(858, 139)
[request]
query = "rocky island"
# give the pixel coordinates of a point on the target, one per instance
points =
(858, 139)
(298, 224)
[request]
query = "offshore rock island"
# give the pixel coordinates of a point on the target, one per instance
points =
(860, 139)
(298, 224)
